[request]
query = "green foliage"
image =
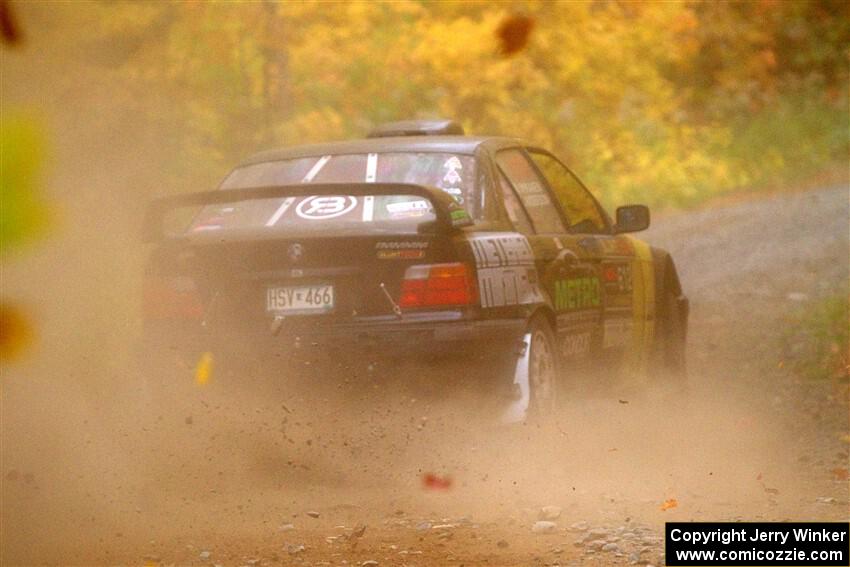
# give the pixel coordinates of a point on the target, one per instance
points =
(821, 340)
(800, 136)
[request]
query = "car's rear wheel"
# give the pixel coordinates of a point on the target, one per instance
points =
(542, 369)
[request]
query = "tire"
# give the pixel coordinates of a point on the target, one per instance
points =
(543, 370)
(670, 344)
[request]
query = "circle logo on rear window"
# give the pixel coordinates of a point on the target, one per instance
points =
(321, 207)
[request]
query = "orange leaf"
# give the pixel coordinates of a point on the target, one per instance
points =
(669, 503)
(513, 33)
(434, 482)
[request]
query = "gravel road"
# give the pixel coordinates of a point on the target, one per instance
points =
(224, 480)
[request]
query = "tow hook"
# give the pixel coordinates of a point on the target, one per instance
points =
(396, 308)
(276, 325)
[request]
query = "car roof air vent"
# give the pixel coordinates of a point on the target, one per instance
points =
(418, 128)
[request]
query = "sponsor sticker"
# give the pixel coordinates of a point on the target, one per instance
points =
(408, 206)
(617, 277)
(617, 246)
(459, 217)
(616, 332)
(408, 209)
(401, 244)
(401, 250)
(325, 207)
(452, 177)
(506, 272)
(453, 163)
(576, 345)
(577, 293)
(400, 254)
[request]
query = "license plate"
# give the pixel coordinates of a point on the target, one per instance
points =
(300, 299)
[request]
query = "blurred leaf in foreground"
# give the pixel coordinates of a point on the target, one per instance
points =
(203, 371)
(513, 33)
(23, 213)
(16, 332)
(9, 30)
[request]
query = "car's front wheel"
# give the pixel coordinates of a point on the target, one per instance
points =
(670, 340)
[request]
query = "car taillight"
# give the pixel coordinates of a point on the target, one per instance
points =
(438, 285)
(171, 298)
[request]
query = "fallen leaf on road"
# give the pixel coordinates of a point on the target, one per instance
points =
(431, 481)
(669, 503)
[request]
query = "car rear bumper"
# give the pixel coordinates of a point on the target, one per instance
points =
(409, 336)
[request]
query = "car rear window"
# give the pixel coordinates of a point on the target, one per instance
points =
(453, 173)
(306, 214)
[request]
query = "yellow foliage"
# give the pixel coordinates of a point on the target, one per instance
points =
(669, 102)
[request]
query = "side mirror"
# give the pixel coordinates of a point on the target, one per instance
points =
(632, 218)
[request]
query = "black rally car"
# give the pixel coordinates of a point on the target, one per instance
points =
(417, 241)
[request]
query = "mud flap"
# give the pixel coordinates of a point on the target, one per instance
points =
(517, 409)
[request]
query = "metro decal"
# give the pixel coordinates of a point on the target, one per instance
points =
(577, 293)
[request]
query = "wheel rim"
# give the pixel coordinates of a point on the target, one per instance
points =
(541, 372)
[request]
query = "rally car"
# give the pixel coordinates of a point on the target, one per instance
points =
(417, 241)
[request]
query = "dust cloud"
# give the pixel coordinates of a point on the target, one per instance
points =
(123, 474)
(98, 467)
